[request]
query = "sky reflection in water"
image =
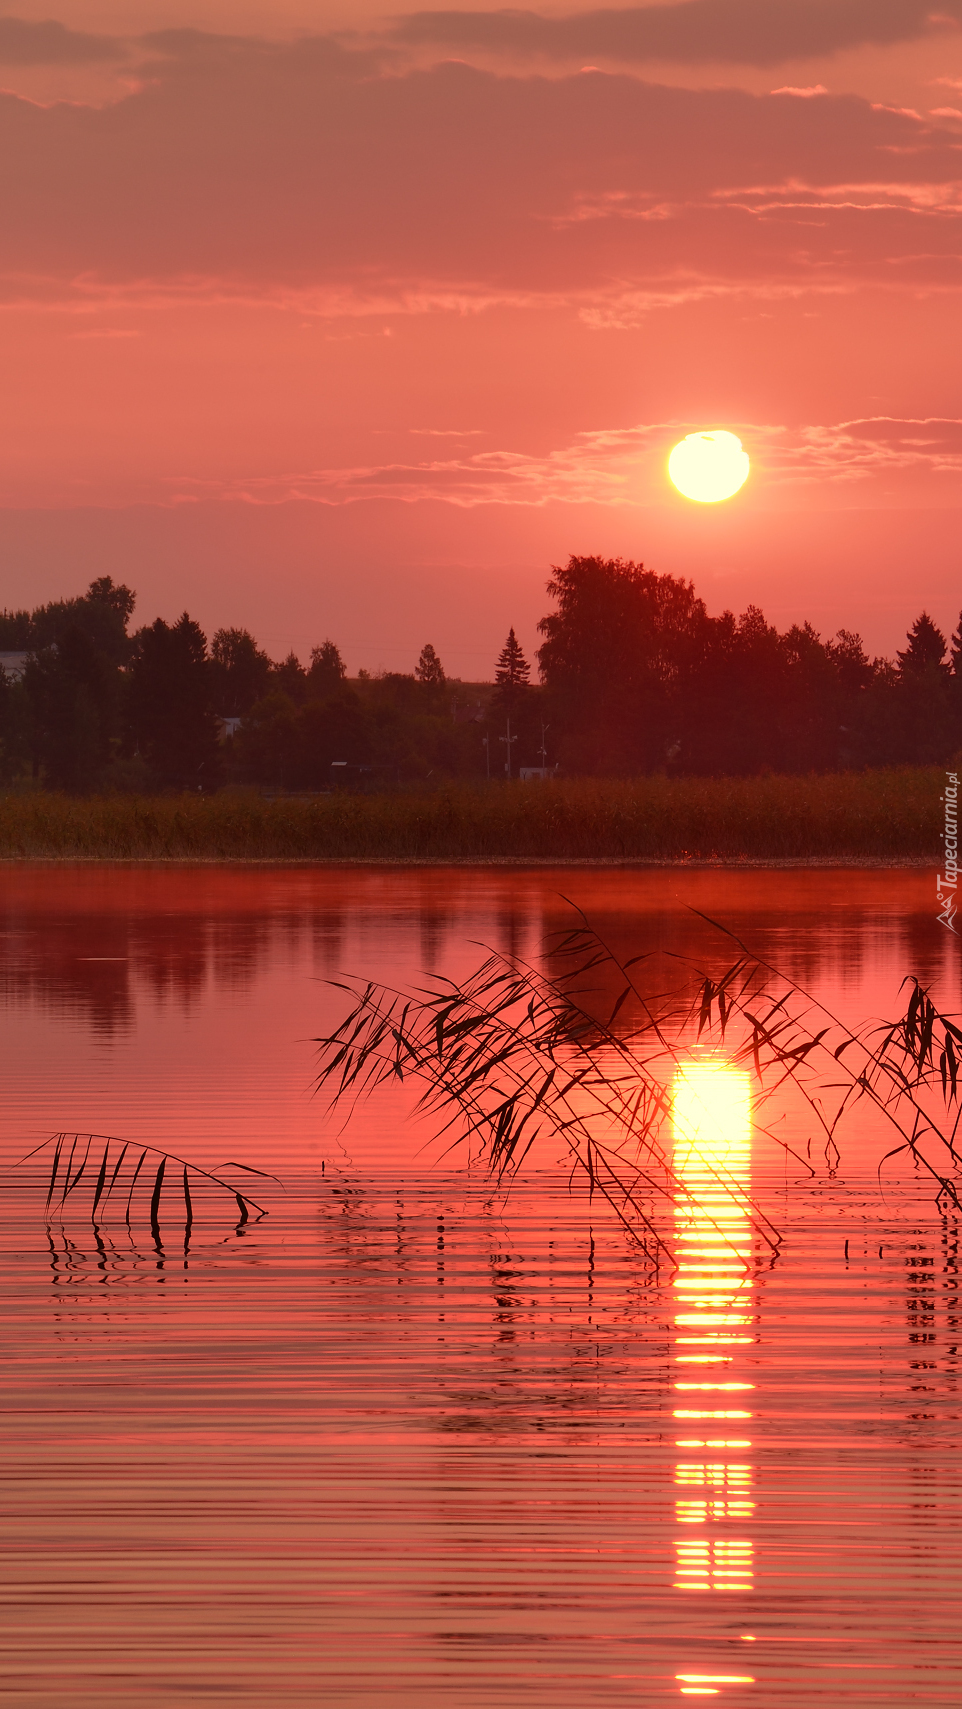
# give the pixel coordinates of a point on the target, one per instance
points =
(181, 1001)
(411, 1441)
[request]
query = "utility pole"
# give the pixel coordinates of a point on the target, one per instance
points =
(543, 750)
(487, 755)
(507, 740)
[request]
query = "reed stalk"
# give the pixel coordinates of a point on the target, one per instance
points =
(515, 1055)
(82, 1163)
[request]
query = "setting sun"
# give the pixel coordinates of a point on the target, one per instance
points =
(708, 467)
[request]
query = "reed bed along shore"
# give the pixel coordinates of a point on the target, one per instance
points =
(891, 814)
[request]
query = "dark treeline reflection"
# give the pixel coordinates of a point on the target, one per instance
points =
(92, 942)
(814, 927)
(87, 941)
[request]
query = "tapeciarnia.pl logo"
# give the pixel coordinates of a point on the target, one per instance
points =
(947, 882)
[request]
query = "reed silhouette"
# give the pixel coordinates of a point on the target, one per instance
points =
(87, 1169)
(584, 1055)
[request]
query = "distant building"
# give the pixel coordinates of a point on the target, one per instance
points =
(12, 665)
(363, 779)
(227, 728)
(538, 773)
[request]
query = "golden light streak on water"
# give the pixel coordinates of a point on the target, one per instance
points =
(711, 1109)
(706, 1684)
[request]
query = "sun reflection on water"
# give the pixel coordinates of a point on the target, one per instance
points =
(714, 1317)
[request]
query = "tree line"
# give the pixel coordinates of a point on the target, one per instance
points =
(635, 677)
(640, 678)
(87, 703)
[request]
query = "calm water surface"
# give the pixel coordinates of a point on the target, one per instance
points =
(408, 1440)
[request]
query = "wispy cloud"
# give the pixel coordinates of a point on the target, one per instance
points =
(694, 32)
(618, 467)
(745, 32)
(25, 42)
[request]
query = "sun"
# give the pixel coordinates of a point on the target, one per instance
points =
(709, 466)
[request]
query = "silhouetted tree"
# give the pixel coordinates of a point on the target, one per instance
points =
(102, 614)
(511, 675)
(290, 678)
(955, 680)
(429, 668)
(639, 676)
(15, 636)
(513, 669)
(266, 747)
(292, 747)
(338, 728)
(327, 671)
(239, 672)
(636, 675)
(925, 729)
(170, 703)
(120, 598)
(66, 711)
(72, 689)
(853, 669)
(925, 650)
(398, 690)
(615, 657)
(15, 727)
(748, 719)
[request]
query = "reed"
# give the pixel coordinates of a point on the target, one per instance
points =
(517, 1054)
(889, 814)
(99, 1175)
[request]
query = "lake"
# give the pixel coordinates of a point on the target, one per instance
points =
(414, 1439)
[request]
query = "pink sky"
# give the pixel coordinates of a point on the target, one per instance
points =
(349, 319)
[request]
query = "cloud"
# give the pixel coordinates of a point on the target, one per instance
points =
(302, 177)
(620, 467)
(23, 42)
(743, 32)
(934, 440)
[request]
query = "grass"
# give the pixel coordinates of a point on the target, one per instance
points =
(890, 814)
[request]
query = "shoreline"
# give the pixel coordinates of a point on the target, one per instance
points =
(729, 863)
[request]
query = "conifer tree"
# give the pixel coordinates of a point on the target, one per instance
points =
(926, 647)
(511, 673)
(169, 702)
